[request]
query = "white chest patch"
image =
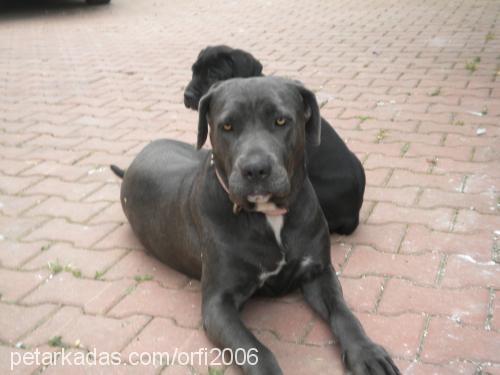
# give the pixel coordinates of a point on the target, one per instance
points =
(265, 275)
(306, 261)
(276, 224)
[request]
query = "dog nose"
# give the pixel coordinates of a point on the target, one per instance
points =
(189, 100)
(256, 170)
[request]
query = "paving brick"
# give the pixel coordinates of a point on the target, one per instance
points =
(113, 213)
(7, 365)
(361, 294)
(377, 177)
(446, 166)
(471, 221)
(400, 196)
(14, 205)
(456, 153)
(97, 144)
(74, 211)
(94, 368)
(490, 368)
(481, 183)
(14, 229)
(400, 335)
(13, 167)
(51, 168)
(102, 333)
(14, 184)
(166, 304)
(390, 149)
(26, 318)
(482, 203)
(93, 295)
(15, 284)
(412, 164)
(444, 182)
(452, 368)
(367, 261)
(71, 191)
(139, 263)
(420, 238)
(56, 142)
(287, 320)
(463, 305)
(302, 358)
(447, 340)
(77, 234)
(109, 192)
(496, 311)
(14, 253)
(463, 270)
(385, 237)
(60, 155)
(88, 262)
(164, 336)
(122, 237)
(438, 218)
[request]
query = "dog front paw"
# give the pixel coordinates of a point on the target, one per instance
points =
(369, 358)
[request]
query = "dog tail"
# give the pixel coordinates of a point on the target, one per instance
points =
(118, 171)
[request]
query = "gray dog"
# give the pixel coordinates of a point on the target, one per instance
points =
(244, 217)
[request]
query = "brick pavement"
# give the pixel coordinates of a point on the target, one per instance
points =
(413, 88)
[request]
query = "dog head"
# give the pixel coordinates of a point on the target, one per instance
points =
(218, 63)
(258, 128)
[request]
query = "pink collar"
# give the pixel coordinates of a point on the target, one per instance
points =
(237, 208)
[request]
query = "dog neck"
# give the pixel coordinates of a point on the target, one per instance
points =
(268, 209)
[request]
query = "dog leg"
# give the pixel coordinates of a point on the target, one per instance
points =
(224, 327)
(360, 354)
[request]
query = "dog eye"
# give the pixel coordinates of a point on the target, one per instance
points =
(227, 127)
(281, 121)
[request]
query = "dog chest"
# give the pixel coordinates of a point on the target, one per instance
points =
(276, 224)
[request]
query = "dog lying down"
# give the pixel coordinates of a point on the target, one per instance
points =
(335, 172)
(244, 217)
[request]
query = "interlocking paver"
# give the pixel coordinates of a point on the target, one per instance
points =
(88, 331)
(365, 260)
(467, 305)
(15, 253)
(14, 285)
(411, 86)
(448, 340)
(59, 229)
(95, 296)
(167, 302)
(88, 263)
(26, 318)
(400, 334)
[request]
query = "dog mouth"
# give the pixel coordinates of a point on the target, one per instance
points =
(262, 203)
(269, 202)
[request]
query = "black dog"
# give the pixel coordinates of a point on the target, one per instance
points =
(335, 172)
(244, 217)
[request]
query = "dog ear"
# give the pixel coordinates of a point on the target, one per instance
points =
(311, 114)
(203, 108)
(244, 64)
